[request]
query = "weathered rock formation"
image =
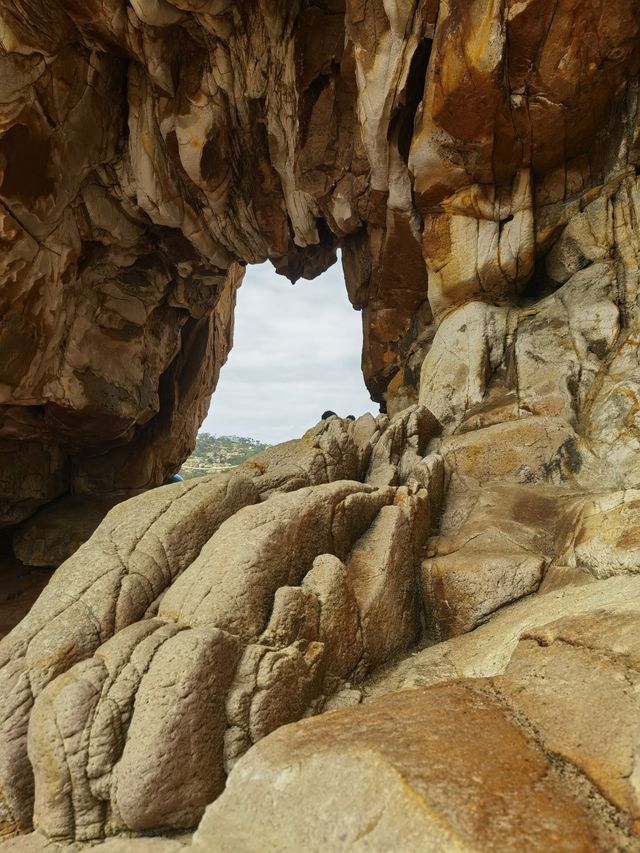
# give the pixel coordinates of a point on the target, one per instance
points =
(454, 151)
(477, 164)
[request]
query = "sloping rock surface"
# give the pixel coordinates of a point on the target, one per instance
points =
(387, 780)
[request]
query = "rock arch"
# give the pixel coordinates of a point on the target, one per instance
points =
(477, 164)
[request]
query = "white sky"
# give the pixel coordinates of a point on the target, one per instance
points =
(296, 353)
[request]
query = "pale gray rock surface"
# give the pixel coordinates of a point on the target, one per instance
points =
(377, 778)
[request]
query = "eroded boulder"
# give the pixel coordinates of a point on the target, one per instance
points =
(444, 768)
(268, 608)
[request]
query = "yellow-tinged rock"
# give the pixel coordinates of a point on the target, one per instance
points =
(448, 768)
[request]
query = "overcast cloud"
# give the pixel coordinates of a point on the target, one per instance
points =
(296, 352)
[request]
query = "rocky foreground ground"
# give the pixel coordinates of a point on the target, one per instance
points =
(204, 616)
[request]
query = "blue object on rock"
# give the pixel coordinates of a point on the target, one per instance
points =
(176, 478)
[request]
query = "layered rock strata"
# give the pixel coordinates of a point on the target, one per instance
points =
(476, 548)
(455, 152)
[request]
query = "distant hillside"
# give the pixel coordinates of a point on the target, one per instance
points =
(214, 453)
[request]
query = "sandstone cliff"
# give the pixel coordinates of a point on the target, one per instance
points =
(477, 163)
(147, 148)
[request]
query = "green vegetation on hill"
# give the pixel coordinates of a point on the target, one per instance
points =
(214, 453)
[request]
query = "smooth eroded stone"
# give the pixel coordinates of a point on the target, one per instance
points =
(527, 450)
(461, 589)
(232, 582)
(487, 650)
(112, 581)
(578, 680)
(603, 534)
(446, 768)
(36, 842)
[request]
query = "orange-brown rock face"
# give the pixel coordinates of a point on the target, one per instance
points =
(148, 147)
